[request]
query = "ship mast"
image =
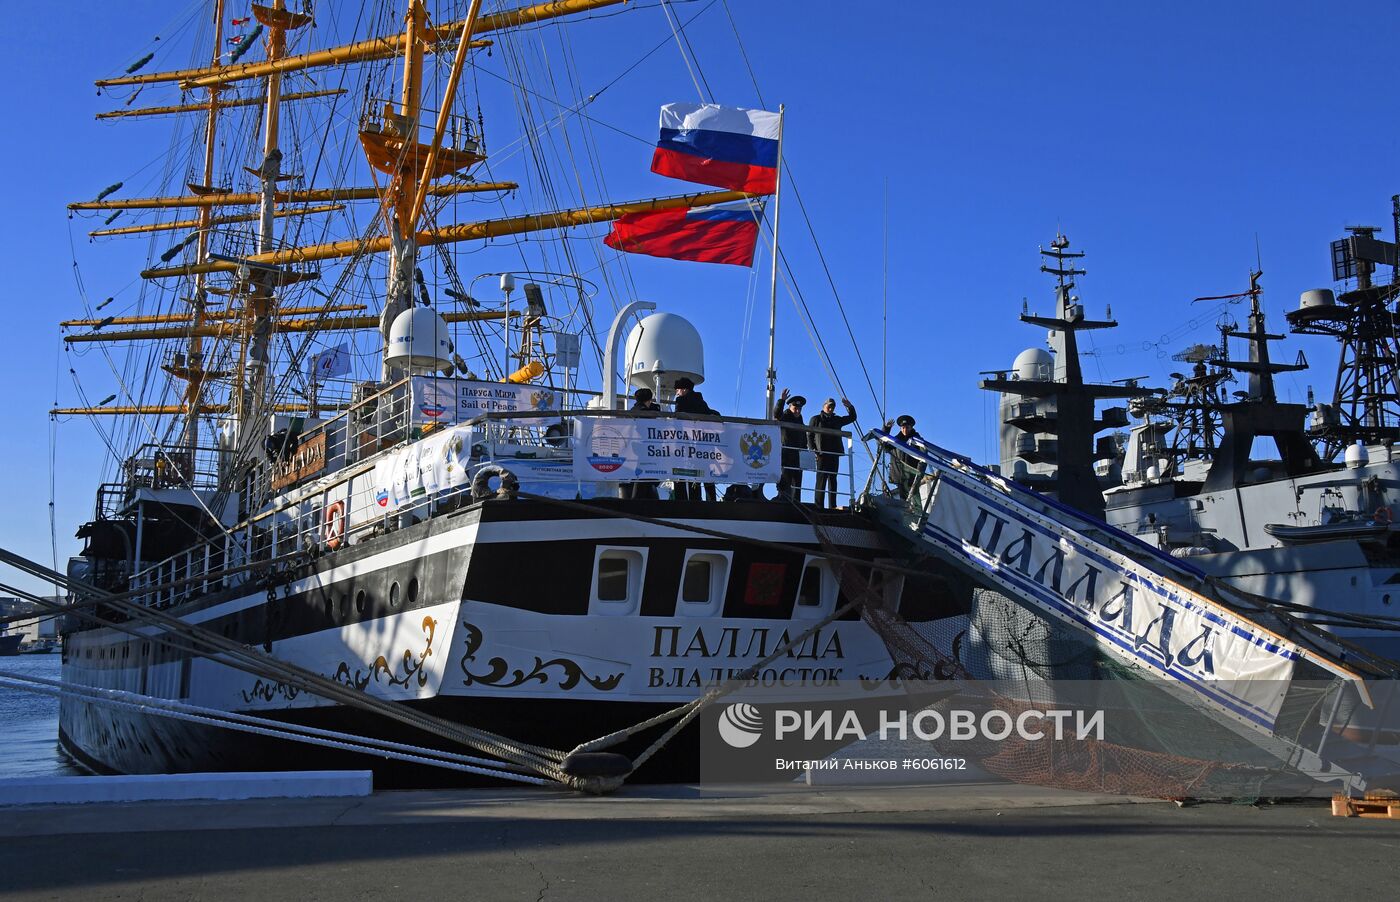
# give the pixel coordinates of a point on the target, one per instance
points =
(391, 146)
(1366, 398)
(256, 340)
(1064, 407)
(402, 189)
(193, 371)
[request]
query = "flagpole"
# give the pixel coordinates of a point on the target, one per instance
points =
(773, 286)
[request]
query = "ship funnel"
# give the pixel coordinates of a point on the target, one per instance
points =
(662, 348)
(419, 341)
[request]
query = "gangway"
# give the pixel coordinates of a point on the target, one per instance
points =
(1233, 656)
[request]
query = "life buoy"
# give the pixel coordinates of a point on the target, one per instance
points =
(481, 483)
(335, 525)
(1382, 515)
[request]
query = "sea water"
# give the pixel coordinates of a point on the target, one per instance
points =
(29, 722)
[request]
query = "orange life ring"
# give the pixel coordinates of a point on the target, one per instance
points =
(335, 525)
(1382, 515)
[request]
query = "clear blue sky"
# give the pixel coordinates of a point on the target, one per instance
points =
(1165, 140)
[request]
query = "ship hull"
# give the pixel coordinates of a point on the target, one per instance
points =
(490, 617)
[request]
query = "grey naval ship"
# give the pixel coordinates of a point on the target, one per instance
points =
(1292, 502)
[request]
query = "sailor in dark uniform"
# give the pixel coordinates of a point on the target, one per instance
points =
(829, 447)
(688, 400)
(643, 400)
(905, 468)
(789, 410)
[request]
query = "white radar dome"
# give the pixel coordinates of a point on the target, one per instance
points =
(1034, 365)
(419, 340)
(1317, 297)
(663, 345)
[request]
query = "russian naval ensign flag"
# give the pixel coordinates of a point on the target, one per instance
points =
(722, 146)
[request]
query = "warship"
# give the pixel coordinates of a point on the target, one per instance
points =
(1291, 502)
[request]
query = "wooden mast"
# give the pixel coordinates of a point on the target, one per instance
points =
(193, 370)
(256, 355)
(403, 184)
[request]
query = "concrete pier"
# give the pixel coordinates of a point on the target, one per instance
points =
(979, 841)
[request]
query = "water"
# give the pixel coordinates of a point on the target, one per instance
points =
(29, 722)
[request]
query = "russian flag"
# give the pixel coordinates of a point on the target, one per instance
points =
(726, 147)
(723, 233)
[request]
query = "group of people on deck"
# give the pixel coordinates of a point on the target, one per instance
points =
(826, 445)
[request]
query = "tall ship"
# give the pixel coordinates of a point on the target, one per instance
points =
(411, 484)
(377, 495)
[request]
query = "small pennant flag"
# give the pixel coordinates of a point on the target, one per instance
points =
(243, 21)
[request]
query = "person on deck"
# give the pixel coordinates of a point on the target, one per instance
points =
(789, 410)
(643, 400)
(829, 446)
(905, 468)
(688, 400)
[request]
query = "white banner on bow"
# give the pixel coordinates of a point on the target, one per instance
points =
(437, 400)
(615, 449)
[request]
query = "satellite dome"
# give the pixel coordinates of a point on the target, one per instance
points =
(1034, 365)
(419, 340)
(663, 345)
(1317, 297)
(1356, 456)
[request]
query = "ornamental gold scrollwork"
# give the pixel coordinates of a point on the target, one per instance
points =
(414, 667)
(268, 691)
(502, 676)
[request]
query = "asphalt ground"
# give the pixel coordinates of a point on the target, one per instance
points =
(944, 842)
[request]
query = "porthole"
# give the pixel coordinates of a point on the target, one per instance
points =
(361, 600)
(394, 594)
(345, 606)
(413, 590)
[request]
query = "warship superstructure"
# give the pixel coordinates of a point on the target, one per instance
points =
(1290, 502)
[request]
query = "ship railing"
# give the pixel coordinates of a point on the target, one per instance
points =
(161, 466)
(898, 473)
(381, 117)
(508, 436)
(515, 441)
(374, 422)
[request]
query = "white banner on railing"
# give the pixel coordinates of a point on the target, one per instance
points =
(619, 448)
(1138, 616)
(438, 400)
